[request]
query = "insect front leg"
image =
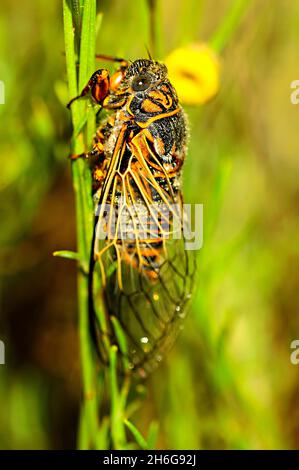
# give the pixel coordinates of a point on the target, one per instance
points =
(98, 143)
(95, 152)
(101, 88)
(98, 86)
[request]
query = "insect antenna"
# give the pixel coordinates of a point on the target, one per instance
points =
(148, 52)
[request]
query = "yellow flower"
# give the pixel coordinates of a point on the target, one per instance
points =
(194, 71)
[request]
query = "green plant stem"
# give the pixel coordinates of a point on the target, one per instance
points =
(117, 411)
(229, 24)
(81, 184)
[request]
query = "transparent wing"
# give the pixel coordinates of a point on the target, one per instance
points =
(150, 311)
(146, 272)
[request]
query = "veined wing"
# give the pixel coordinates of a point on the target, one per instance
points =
(146, 272)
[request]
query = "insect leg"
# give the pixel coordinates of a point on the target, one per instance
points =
(96, 151)
(98, 143)
(98, 86)
(123, 62)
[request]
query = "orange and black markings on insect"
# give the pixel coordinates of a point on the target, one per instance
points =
(138, 246)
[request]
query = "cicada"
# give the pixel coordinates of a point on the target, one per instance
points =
(138, 247)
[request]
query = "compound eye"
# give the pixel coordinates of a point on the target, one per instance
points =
(141, 82)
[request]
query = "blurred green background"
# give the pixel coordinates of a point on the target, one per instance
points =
(228, 382)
